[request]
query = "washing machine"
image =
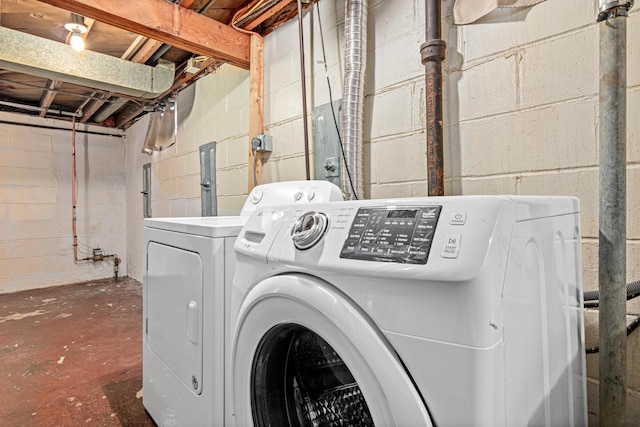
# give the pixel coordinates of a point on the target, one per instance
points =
(449, 311)
(188, 267)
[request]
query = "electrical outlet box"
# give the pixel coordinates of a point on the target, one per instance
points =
(262, 142)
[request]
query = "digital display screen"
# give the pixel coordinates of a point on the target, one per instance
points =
(402, 235)
(402, 213)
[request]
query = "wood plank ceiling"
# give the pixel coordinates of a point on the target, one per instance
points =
(196, 35)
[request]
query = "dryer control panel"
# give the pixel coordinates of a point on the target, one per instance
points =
(392, 234)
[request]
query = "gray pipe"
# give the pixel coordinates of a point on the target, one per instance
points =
(355, 65)
(612, 236)
(303, 80)
(41, 109)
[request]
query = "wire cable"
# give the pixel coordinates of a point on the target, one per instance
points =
(333, 112)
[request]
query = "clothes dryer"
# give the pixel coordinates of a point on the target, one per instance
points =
(188, 267)
(449, 311)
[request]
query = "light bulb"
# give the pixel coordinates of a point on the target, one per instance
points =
(76, 41)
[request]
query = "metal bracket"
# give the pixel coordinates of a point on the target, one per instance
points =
(613, 9)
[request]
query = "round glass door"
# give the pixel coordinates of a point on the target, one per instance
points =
(298, 379)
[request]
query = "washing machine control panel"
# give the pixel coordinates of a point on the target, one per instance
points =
(392, 234)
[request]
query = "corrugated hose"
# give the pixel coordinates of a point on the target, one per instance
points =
(591, 300)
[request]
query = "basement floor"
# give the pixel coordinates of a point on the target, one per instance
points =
(72, 355)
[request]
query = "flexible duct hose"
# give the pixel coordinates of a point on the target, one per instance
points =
(353, 96)
(591, 301)
(633, 290)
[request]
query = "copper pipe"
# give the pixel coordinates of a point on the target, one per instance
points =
(74, 193)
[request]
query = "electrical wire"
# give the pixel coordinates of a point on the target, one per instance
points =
(255, 166)
(244, 11)
(333, 112)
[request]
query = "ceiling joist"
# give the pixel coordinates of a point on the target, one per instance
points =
(169, 23)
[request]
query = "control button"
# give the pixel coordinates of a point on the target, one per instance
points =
(298, 196)
(256, 196)
(429, 213)
(355, 235)
(451, 246)
(309, 229)
(311, 195)
(349, 247)
(458, 218)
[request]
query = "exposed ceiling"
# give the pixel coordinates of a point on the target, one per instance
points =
(138, 52)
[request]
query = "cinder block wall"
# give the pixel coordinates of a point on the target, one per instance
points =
(216, 109)
(36, 239)
(521, 117)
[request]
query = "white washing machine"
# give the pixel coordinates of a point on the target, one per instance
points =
(450, 311)
(188, 267)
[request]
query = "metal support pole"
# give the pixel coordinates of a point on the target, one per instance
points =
(433, 53)
(304, 93)
(612, 240)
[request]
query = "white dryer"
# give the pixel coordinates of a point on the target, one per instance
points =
(188, 267)
(450, 311)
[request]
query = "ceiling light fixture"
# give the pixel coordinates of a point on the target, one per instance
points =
(77, 28)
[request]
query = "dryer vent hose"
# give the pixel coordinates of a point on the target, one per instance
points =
(633, 290)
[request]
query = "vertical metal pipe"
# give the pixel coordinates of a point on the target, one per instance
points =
(304, 93)
(74, 190)
(612, 238)
(433, 53)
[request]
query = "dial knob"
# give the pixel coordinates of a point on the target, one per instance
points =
(256, 197)
(309, 229)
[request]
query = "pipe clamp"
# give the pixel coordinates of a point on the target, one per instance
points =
(613, 9)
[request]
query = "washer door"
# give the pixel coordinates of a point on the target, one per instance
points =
(304, 355)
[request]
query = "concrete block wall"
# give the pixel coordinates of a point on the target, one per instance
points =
(522, 118)
(215, 108)
(36, 239)
(394, 152)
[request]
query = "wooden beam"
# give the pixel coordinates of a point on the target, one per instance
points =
(267, 14)
(256, 106)
(47, 96)
(151, 46)
(94, 107)
(146, 51)
(142, 49)
(169, 23)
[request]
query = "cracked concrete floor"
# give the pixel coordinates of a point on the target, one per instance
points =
(72, 355)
